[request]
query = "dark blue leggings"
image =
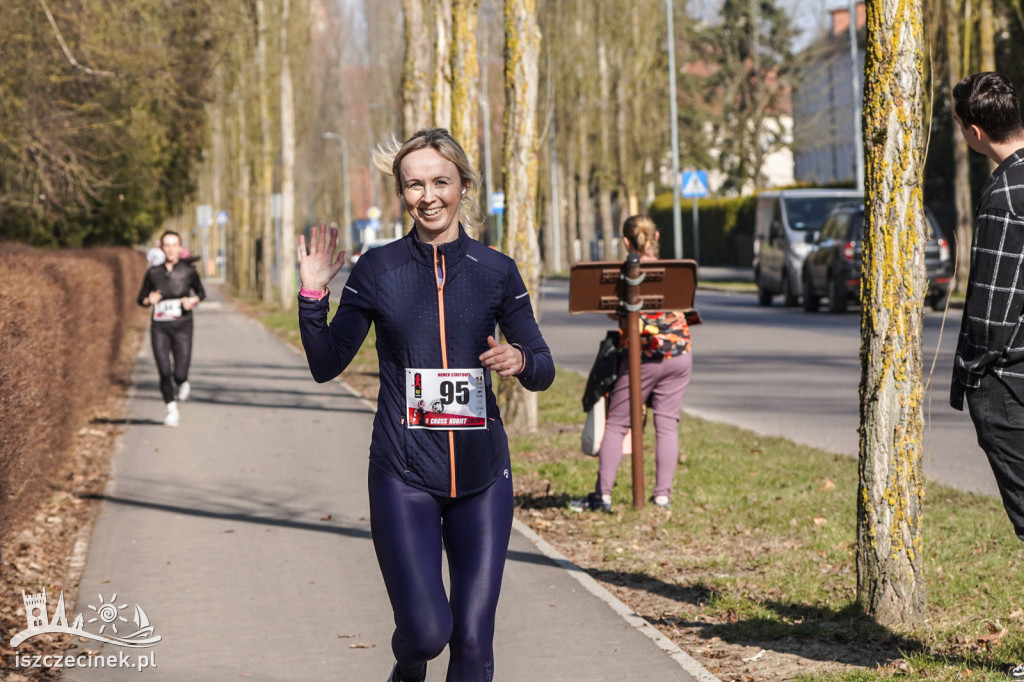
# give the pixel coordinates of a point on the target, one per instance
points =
(408, 527)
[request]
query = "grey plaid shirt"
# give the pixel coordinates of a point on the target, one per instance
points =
(991, 332)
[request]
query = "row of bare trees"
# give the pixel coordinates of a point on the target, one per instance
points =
(108, 114)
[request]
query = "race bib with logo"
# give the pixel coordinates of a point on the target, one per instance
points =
(166, 310)
(445, 399)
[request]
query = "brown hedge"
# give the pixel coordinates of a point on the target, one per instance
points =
(63, 318)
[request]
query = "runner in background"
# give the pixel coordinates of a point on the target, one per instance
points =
(173, 290)
(156, 255)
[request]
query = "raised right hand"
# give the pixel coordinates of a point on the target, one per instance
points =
(318, 267)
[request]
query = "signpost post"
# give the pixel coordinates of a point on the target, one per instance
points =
(220, 259)
(633, 286)
(373, 213)
(496, 205)
(695, 185)
(204, 219)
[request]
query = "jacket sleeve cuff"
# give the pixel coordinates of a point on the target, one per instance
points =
(523, 351)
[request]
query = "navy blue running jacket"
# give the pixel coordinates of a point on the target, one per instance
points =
(424, 320)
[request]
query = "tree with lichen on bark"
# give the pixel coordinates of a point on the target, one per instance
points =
(465, 81)
(416, 106)
(522, 50)
(890, 561)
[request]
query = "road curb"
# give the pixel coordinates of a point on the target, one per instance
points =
(662, 641)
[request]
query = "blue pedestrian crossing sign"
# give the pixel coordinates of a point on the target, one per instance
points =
(695, 184)
(497, 203)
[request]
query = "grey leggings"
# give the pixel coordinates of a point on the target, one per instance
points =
(172, 338)
(664, 384)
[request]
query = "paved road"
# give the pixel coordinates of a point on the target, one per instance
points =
(244, 536)
(781, 371)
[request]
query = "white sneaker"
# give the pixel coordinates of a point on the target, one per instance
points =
(660, 500)
(172, 417)
(184, 391)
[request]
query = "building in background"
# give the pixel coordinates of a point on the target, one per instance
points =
(823, 105)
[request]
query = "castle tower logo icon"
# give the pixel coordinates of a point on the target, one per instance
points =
(110, 619)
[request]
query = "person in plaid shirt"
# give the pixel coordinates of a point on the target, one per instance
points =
(989, 365)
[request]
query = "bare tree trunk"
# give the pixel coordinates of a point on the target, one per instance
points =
(890, 545)
(245, 274)
(966, 36)
(961, 166)
(466, 83)
(986, 44)
(571, 219)
(222, 114)
(416, 108)
(986, 36)
(442, 14)
(266, 189)
(465, 77)
(605, 170)
(606, 173)
(286, 278)
(584, 205)
(522, 49)
(627, 184)
(548, 202)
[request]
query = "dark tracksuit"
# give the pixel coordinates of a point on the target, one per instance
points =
(433, 307)
(172, 337)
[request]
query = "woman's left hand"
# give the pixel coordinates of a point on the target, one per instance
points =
(505, 359)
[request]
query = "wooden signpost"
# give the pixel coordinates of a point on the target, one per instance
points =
(632, 287)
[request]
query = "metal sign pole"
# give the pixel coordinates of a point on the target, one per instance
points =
(696, 231)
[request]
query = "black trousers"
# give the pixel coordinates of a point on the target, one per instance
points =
(999, 420)
(172, 338)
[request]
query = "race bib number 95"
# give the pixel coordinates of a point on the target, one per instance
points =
(445, 399)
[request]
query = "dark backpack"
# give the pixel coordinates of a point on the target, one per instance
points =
(605, 371)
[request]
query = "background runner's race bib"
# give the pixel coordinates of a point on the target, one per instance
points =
(445, 399)
(166, 310)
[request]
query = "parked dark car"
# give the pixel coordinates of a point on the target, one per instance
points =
(832, 268)
(785, 225)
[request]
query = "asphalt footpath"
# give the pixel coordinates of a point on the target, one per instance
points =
(243, 536)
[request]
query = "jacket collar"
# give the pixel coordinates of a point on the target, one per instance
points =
(452, 251)
(1010, 160)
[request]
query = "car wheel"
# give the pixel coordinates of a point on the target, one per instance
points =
(788, 297)
(836, 295)
(938, 301)
(811, 301)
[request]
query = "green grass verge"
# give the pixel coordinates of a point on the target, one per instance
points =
(759, 543)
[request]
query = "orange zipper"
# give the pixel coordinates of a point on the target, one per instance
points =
(440, 279)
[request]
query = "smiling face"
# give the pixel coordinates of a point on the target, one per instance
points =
(171, 245)
(432, 190)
